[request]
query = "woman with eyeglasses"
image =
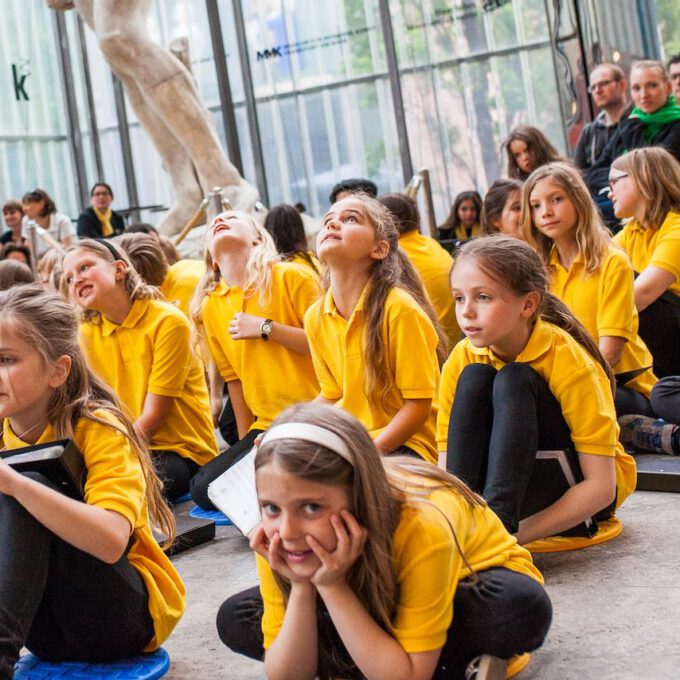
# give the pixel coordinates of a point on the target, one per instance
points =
(645, 188)
(99, 221)
(654, 121)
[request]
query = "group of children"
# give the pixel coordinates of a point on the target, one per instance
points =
(349, 376)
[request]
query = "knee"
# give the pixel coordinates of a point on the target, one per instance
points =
(198, 487)
(235, 628)
(475, 379)
(665, 398)
(513, 377)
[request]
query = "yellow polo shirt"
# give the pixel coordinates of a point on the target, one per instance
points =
(181, 281)
(410, 343)
(434, 265)
(575, 379)
(604, 302)
(428, 567)
(273, 376)
(150, 352)
(658, 247)
(115, 482)
(299, 259)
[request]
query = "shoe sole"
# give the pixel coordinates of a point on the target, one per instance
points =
(491, 668)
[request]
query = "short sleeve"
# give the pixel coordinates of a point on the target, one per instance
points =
(330, 388)
(214, 339)
(588, 409)
(413, 352)
(303, 290)
(447, 390)
(272, 598)
(171, 356)
(616, 305)
(666, 254)
(427, 565)
(115, 480)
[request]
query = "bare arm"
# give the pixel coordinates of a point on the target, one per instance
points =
(99, 532)
(611, 348)
(216, 388)
(652, 282)
(249, 327)
(156, 408)
(583, 500)
(293, 654)
(407, 421)
(377, 654)
(244, 416)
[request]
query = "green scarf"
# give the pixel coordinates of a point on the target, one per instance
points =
(654, 122)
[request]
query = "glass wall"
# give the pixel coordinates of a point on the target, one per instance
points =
(323, 99)
(34, 151)
(321, 82)
(469, 75)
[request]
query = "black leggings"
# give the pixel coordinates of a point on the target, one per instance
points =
(498, 422)
(660, 329)
(174, 471)
(501, 613)
(212, 470)
(62, 603)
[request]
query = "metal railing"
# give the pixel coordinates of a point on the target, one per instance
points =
(422, 180)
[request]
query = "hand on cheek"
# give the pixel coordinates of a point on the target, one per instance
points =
(351, 538)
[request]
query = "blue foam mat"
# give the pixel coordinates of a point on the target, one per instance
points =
(142, 667)
(181, 499)
(215, 515)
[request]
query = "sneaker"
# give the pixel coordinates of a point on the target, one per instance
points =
(647, 434)
(486, 667)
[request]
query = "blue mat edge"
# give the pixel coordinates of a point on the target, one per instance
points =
(29, 664)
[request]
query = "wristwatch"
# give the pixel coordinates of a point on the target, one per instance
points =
(266, 329)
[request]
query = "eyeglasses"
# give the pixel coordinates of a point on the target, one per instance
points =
(613, 181)
(101, 193)
(601, 85)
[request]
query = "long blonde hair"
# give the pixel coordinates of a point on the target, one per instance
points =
(261, 260)
(592, 237)
(515, 264)
(393, 271)
(132, 282)
(49, 324)
(656, 175)
(378, 488)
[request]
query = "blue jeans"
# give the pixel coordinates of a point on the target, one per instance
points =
(62, 603)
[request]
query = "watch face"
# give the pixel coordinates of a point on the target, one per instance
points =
(266, 328)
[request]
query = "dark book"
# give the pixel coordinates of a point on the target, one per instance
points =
(61, 462)
(553, 474)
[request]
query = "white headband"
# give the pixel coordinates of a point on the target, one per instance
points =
(310, 433)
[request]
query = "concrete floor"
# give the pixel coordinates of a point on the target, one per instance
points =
(616, 605)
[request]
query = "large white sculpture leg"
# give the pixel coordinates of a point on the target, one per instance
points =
(167, 104)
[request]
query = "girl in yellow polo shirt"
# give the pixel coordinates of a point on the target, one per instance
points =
(248, 314)
(645, 187)
(527, 377)
(286, 227)
(375, 340)
(376, 568)
(141, 347)
(79, 580)
(590, 275)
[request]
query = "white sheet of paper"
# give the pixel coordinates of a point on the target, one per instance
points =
(234, 493)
